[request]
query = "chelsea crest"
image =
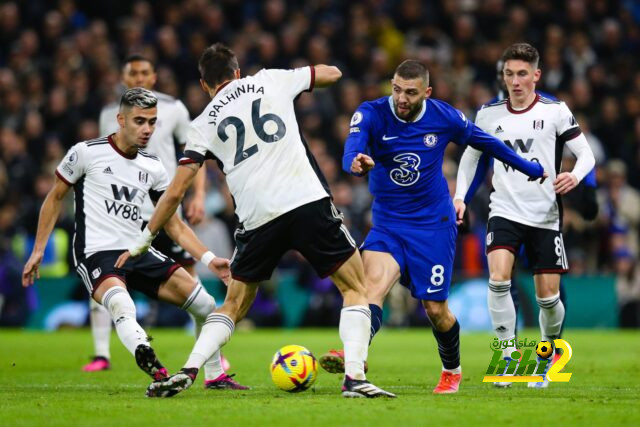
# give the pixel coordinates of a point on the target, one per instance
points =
(430, 140)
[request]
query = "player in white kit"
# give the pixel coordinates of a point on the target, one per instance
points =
(523, 212)
(112, 177)
(171, 127)
(282, 202)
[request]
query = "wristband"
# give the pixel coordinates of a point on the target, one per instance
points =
(207, 257)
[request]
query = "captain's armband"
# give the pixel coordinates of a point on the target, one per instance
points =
(191, 157)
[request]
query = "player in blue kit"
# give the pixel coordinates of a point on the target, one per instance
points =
(400, 141)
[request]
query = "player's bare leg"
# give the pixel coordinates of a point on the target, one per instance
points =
(216, 332)
(551, 314)
(112, 294)
(500, 302)
(381, 273)
(446, 330)
(354, 329)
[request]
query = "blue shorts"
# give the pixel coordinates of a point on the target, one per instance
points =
(425, 257)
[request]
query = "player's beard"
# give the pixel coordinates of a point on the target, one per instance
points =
(414, 109)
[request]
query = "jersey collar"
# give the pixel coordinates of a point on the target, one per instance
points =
(119, 151)
(524, 110)
(418, 117)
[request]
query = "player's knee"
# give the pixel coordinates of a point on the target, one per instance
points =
(200, 304)
(119, 303)
(500, 275)
(236, 306)
(438, 312)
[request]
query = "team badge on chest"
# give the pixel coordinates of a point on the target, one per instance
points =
(538, 124)
(430, 140)
(143, 177)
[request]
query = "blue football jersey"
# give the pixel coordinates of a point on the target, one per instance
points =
(407, 181)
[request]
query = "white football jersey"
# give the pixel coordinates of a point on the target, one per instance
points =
(110, 188)
(172, 124)
(250, 127)
(536, 133)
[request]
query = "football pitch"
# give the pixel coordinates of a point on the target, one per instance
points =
(41, 383)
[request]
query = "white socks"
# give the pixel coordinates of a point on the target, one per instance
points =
(551, 317)
(199, 305)
(123, 312)
(216, 332)
(354, 329)
(100, 320)
(503, 312)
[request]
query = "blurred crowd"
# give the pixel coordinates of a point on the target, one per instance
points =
(60, 64)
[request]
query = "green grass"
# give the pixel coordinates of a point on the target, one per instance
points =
(41, 384)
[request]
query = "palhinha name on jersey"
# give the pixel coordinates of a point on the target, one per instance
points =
(232, 96)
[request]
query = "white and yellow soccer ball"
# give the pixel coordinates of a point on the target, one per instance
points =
(294, 368)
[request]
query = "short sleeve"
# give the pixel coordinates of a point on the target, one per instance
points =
(196, 149)
(293, 82)
(182, 123)
(160, 180)
(73, 165)
(566, 126)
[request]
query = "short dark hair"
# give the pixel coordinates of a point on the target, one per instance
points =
(522, 51)
(412, 69)
(138, 97)
(217, 64)
(135, 58)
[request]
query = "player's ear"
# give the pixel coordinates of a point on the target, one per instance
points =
(204, 86)
(536, 75)
(121, 119)
(154, 79)
(428, 91)
(236, 73)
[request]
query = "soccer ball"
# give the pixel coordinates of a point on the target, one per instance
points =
(544, 349)
(293, 368)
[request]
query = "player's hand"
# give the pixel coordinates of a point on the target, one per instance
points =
(221, 267)
(139, 246)
(362, 164)
(565, 182)
(31, 269)
(460, 207)
(541, 178)
(195, 209)
(122, 259)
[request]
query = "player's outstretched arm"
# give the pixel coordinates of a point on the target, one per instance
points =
(184, 236)
(491, 145)
(326, 75)
(165, 208)
(172, 197)
(49, 213)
